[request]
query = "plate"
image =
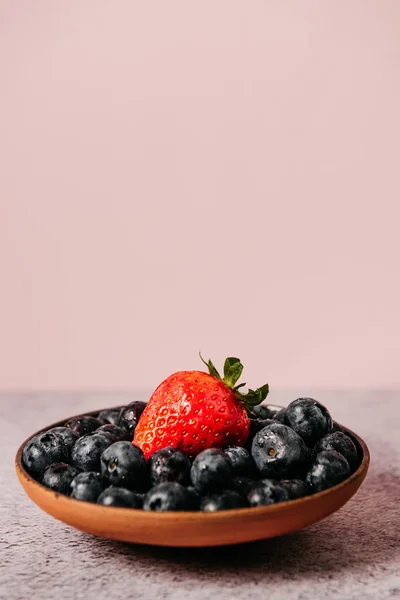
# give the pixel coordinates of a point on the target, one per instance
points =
(191, 529)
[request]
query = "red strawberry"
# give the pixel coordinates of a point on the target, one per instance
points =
(193, 410)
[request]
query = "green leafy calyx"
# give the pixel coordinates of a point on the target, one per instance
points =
(232, 372)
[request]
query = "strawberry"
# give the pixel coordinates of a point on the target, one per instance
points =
(194, 410)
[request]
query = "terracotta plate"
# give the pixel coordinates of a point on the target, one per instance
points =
(194, 528)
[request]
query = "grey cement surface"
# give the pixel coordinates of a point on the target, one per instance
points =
(352, 555)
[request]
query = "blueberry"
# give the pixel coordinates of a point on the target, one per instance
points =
(228, 500)
(279, 452)
(295, 487)
(67, 435)
(255, 426)
(43, 450)
(340, 442)
(336, 427)
(193, 491)
(83, 425)
(170, 496)
(260, 411)
(124, 465)
(327, 469)
(309, 419)
(87, 451)
(129, 416)
(261, 423)
(242, 485)
(169, 464)
(267, 491)
(117, 496)
(86, 486)
(58, 477)
(115, 431)
(211, 471)
(241, 461)
(109, 416)
(107, 435)
(280, 416)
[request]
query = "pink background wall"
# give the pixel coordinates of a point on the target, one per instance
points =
(219, 176)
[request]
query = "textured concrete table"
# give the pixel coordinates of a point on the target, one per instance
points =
(352, 555)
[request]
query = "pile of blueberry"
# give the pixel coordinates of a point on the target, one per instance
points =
(289, 454)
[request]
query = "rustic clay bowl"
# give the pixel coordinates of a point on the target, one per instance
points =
(194, 528)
